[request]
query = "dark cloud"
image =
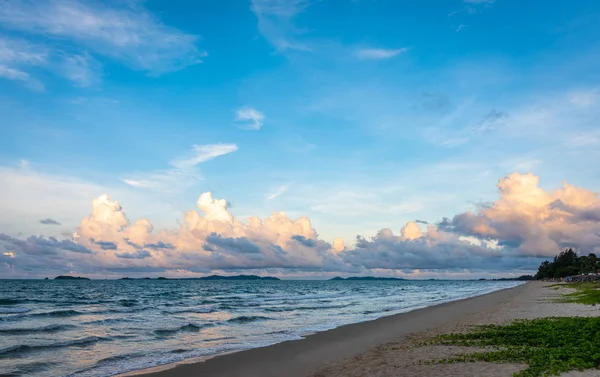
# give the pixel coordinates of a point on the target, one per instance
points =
(421, 222)
(491, 121)
(159, 245)
(105, 245)
(308, 242)
(432, 102)
(43, 246)
(49, 221)
(132, 244)
(529, 221)
(139, 254)
(393, 252)
(134, 269)
(589, 213)
(231, 244)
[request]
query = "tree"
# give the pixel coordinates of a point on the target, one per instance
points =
(568, 263)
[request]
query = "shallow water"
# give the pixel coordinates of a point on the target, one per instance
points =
(102, 328)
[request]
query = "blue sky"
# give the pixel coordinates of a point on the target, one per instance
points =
(360, 115)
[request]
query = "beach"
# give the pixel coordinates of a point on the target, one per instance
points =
(389, 346)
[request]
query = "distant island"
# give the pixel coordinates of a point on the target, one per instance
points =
(237, 277)
(520, 278)
(212, 277)
(365, 278)
(65, 277)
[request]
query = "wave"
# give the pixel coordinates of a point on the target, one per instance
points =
(190, 327)
(120, 311)
(246, 319)
(315, 307)
(57, 313)
(384, 310)
(127, 303)
(280, 309)
(30, 369)
(23, 348)
(320, 307)
(108, 321)
(13, 310)
(36, 330)
(131, 310)
(201, 310)
(10, 301)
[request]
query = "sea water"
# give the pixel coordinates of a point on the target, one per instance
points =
(105, 327)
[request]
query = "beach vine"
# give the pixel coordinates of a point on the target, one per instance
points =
(587, 293)
(549, 346)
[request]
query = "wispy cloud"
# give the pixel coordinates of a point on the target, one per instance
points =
(203, 153)
(378, 53)
(276, 22)
(491, 121)
(253, 118)
(80, 69)
(127, 32)
(16, 56)
(49, 221)
(183, 173)
(279, 191)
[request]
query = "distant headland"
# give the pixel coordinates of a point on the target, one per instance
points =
(364, 278)
(212, 277)
(66, 277)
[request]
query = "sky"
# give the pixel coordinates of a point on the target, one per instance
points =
(297, 138)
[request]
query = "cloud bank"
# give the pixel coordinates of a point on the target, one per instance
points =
(513, 234)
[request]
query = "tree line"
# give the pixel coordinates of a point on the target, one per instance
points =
(568, 263)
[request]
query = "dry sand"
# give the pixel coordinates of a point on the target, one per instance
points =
(389, 346)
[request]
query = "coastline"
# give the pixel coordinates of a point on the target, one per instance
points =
(305, 357)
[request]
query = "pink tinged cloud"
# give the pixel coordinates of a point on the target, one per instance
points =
(510, 234)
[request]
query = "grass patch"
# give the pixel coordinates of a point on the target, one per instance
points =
(586, 293)
(549, 346)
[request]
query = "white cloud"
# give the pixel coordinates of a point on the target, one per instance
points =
(203, 153)
(80, 70)
(276, 22)
(584, 98)
(21, 51)
(379, 53)
(280, 191)
(535, 222)
(125, 31)
(255, 118)
(28, 194)
(16, 56)
(13, 74)
(183, 174)
(509, 235)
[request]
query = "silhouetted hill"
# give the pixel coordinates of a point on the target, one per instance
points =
(64, 277)
(238, 277)
(364, 278)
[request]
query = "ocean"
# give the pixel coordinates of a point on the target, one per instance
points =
(106, 327)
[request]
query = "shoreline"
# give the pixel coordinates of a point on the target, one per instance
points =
(303, 357)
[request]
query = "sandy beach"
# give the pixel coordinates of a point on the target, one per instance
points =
(389, 346)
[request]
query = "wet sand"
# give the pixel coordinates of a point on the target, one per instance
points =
(388, 346)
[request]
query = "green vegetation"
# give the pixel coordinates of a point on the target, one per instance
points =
(549, 346)
(586, 293)
(568, 263)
